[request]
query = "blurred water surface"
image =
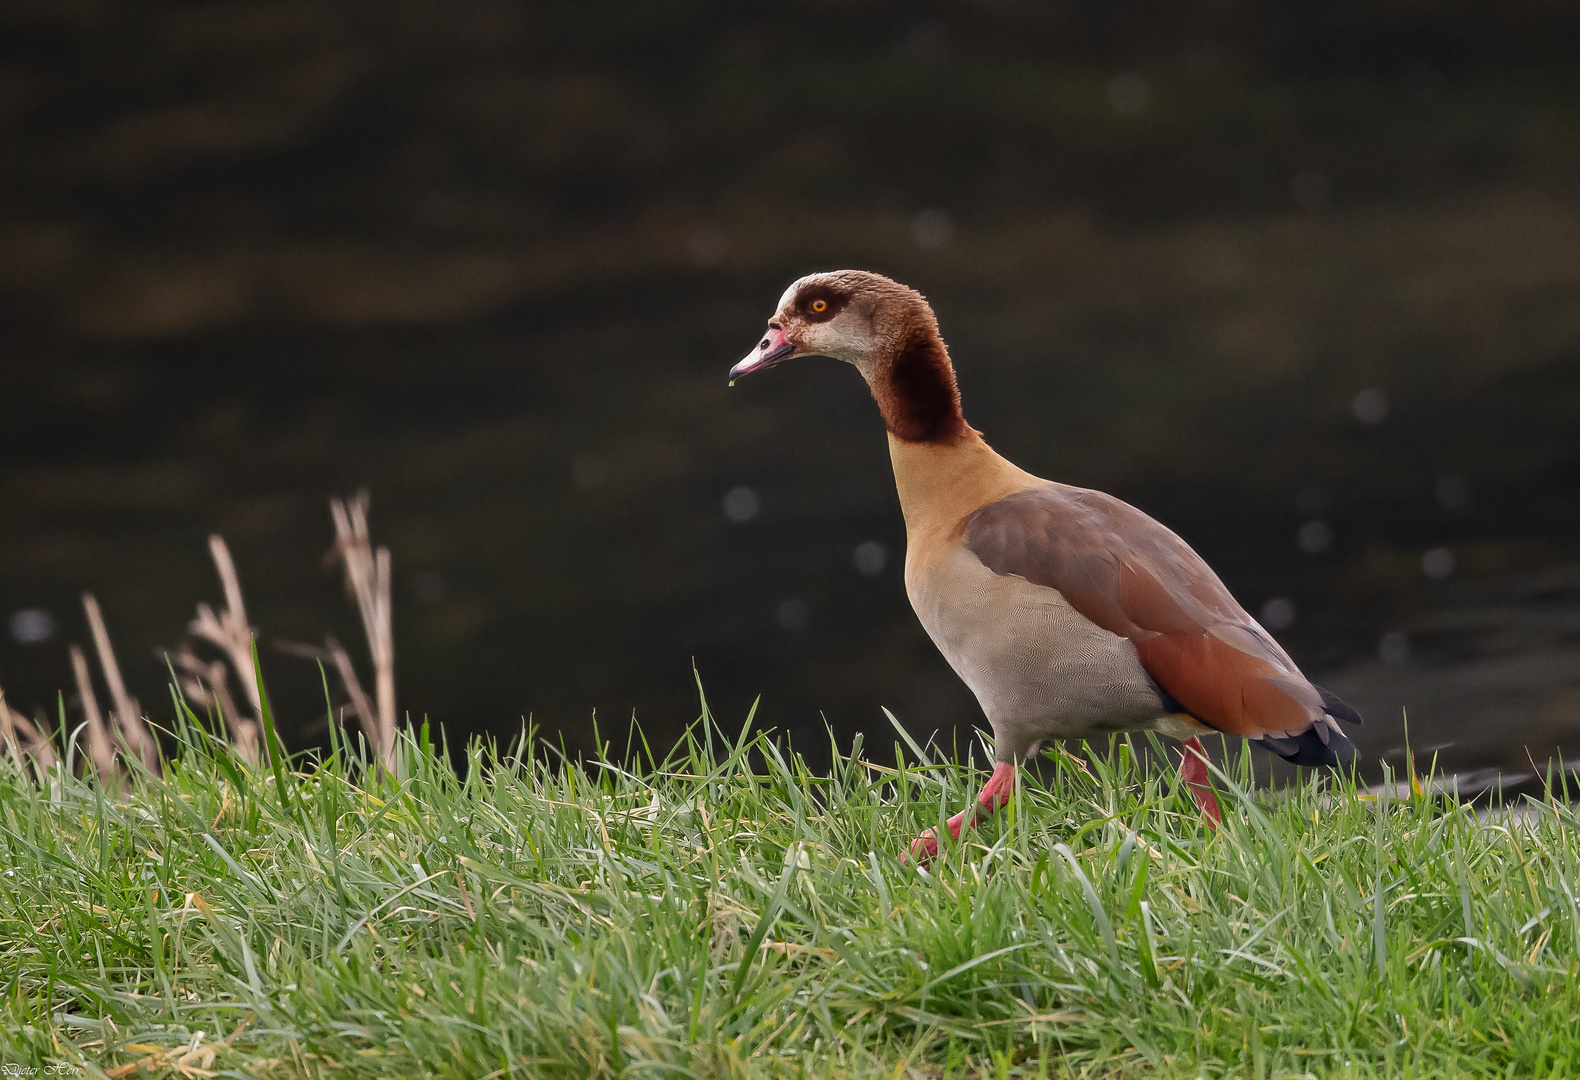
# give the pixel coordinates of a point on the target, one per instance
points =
(1302, 281)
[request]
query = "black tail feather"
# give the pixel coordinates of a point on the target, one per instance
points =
(1309, 749)
(1338, 708)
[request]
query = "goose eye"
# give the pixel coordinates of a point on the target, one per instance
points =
(820, 306)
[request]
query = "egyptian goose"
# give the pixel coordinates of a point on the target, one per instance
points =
(1068, 613)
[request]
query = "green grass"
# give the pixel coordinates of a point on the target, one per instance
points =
(705, 916)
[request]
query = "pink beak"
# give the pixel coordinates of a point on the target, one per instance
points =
(773, 348)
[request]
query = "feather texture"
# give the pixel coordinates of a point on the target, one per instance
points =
(1133, 577)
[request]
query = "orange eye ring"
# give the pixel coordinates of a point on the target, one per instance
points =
(820, 306)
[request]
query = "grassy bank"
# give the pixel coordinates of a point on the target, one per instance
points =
(727, 913)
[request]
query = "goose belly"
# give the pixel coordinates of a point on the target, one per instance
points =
(1039, 668)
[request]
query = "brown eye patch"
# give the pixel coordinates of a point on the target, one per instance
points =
(820, 303)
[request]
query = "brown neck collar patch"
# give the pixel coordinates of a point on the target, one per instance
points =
(915, 388)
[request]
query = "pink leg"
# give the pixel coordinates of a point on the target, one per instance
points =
(1193, 770)
(998, 791)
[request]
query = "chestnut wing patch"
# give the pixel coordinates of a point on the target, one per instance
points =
(1133, 577)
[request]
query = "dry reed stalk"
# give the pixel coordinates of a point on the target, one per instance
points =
(336, 654)
(127, 713)
(207, 684)
(333, 655)
(230, 631)
(100, 749)
(368, 581)
(40, 747)
(23, 741)
(8, 729)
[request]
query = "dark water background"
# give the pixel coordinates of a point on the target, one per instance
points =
(1300, 280)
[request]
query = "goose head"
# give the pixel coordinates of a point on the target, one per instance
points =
(886, 330)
